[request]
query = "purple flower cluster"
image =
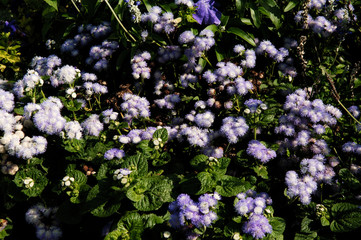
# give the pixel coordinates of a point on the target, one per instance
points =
(257, 226)
(86, 34)
(200, 44)
(253, 104)
(313, 171)
(351, 147)
(168, 53)
(44, 220)
(73, 130)
(65, 75)
(233, 128)
(228, 75)
(109, 115)
(354, 110)
(45, 66)
(196, 136)
(136, 135)
(184, 211)
(48, 118)
(334, 17)
(99, 55)
(168, 101)
(267, 47)
(30, 80)
(162, 22)
(134, 106)
(257, 150)
(139, 65)
(279, 55)
(92, 126)
(301, 115)
(252, 204)
(204, 120)
(114, 153)
(6, 100)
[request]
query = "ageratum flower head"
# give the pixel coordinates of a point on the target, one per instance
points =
(206, 13)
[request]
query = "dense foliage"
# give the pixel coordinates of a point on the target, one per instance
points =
(163, 119)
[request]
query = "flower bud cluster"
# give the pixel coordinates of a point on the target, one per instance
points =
(304, 121)
(169, 53)
(351, 147)
(333, 16)
(122, 175)
(185, 212)
(135, 107)
(136, 135)
(67, 181)
(45, 222)
(257, 150)
(254, 205)
(139, 65)
(99, 55)
(313, 171)
(163, 22)
(234, 128)
(254, 106)
(114, 153)
(45, 66)
(134, 10)
(86, 34)
(9, 168)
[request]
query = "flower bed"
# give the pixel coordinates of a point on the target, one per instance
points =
(180, 119)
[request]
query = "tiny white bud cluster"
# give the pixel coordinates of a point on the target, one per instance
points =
(67, 181)
(28, 182)
(158, 142)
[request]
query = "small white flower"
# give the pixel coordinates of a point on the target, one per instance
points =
(29, 182)
(166, 234)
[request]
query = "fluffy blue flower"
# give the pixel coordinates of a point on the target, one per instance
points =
(206, 13)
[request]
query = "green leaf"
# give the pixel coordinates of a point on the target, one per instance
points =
(136, 163)
(52, 3)
(208, 182)
(229, 186)
(245, 36)
(150, 193)
(150, 220)
(199, 162)
(40, 181)
(162, 134)
(278, 227)
(261, 171)
(255, 15)
(291, 4)
(324, 221)
(347, 217)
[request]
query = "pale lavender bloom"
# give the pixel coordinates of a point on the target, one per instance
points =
(66, 75)
(6, 100)
(114, 153)
(204, 119)
(73, 130)
(354, 110)
(186, 37)
(257, 226)
(260, 152)
(233, 128)
(92, 125)
(109, 115)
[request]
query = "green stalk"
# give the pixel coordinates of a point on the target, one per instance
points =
(76, 7)
(120, 23)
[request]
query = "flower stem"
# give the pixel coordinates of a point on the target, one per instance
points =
(120, 23)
